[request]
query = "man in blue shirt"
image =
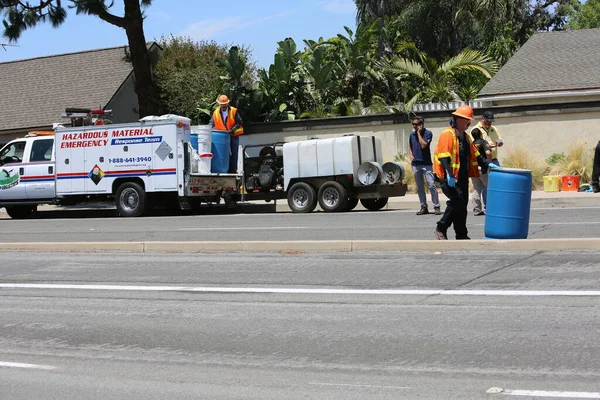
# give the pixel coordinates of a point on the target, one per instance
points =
(419, 144)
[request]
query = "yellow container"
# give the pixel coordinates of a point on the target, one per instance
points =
(552, 183)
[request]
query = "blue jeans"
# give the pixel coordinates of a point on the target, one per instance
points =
(426, 171)
(234, 145)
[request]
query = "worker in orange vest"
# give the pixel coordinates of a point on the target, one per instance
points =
(226, 118)
(455, 160)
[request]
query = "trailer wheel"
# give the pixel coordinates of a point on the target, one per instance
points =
(302, 198)
(374, 204)
(130, 200)
(352, 203)
(333, 197)
(20, 212)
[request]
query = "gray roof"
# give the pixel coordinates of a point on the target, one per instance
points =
(36, 91)
(550, 61)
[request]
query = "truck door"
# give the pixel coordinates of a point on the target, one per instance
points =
(39, 172)
(11, 170)
(96, 165)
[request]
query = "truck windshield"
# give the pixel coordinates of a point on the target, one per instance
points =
(12, 153)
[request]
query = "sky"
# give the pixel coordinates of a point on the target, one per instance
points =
(259, 24)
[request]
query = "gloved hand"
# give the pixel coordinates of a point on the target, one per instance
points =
(451, 181)
(493, 166)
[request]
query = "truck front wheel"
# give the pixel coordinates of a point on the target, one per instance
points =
(374, 204)
(130, 200)
(20, 212)
(333, 197)
(302, 198)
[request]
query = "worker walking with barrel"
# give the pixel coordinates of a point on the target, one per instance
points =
(227, 119)
(455, 161)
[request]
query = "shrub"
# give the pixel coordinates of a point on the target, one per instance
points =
(578, 161)
(523, 158)
(555, 158)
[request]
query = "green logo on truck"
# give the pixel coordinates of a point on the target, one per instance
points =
(7, 180)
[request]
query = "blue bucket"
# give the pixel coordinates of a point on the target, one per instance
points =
(220, 150)
(508, 204)
(194, 141)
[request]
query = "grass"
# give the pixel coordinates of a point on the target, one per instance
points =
(523, 158)
(578, 161)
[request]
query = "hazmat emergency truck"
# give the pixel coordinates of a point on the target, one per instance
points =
(136, 164)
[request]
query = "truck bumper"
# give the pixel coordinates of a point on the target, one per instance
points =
(380, 191)
(210, 187)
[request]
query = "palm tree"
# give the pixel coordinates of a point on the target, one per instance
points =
(437, 82)
(369, 10)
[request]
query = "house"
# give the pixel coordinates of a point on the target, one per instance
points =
(36, 91)
(552, 67)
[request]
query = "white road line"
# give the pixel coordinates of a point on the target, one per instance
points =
(248, 228)
(565, 208)
(558, 223)
(542, 393)
(402, 292)
(28, 366)
(355, 385)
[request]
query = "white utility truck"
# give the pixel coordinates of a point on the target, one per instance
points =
(136, 164)
(336, 173)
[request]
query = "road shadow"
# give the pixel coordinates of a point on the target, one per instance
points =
(108, 210)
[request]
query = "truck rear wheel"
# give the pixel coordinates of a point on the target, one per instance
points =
(20, 212)
(333, 197)
(374, 204)
(130, 200)
(352, 203)
(302, 198)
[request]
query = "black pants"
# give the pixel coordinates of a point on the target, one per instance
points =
(456, 209)
(596, 168)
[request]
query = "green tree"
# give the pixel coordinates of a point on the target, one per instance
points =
(187, 73)
(438, 82)
(284, 84)
(238, 84)
(586, 16)
(22, 15)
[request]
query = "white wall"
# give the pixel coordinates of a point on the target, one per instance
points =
(541, 132)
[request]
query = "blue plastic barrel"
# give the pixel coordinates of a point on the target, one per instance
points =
(220, 150)
(194, 141)
(508, 204)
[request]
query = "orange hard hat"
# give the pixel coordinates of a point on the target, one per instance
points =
(223, 99)
(464, 111)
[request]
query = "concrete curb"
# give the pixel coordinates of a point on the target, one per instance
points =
(311, 246)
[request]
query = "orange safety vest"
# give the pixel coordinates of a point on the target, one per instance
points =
(221, 126)
(447, 146)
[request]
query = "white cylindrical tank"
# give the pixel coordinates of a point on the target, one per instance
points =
(204, 134)
(330, 157)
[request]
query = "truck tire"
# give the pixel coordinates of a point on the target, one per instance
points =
(333, 197)
(302, 198)
(130, 200)
(352, 203)
(20, 212)
(374, 204)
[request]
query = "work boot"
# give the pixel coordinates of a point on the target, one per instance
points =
(595, 188)
(439, 235)
(423, 211)
(437, 211)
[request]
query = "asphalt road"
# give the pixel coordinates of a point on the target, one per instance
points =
(103, 225)
(313, 333)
